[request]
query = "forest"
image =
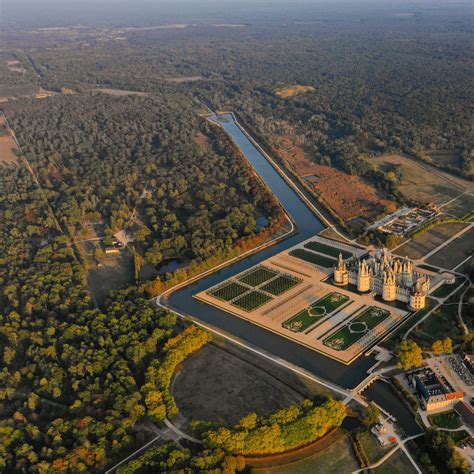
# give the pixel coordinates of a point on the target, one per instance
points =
(147, 165)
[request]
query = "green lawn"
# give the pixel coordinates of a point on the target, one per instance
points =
(280, 284)
(327, 249)
(459, 436)
(251, 301)
(446, 289)
(397, 463)
(307, 317)
(350, 333)
(447, 419)
(257, 276)
(313, 258)
(228, 291)
(392, 341)
(371, 447)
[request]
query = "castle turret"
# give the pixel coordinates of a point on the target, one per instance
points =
(341, 275)
(389, 288)
(363, 278)
(418, 295)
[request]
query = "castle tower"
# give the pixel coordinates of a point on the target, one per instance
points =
(363, 277)
(418, 295)
(407, 272)
(389, 288)
(341, 275)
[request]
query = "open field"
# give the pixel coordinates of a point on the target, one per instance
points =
(440, 324)
(431, 239)
(222, 383)
(117, 271)
(356, 328)
(7, 144)
(455, 252)
(348, 196)
(461, 206)
(318, 310)
(397, 463)
(421, 182)
(290, 91)
(327, 249)
(371, 447)
(119, 92)
(338, 458)
(313, 258)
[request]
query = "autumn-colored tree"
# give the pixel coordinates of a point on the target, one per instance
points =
(410, 355)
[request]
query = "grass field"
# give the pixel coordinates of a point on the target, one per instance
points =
(455, 252)
(371, 447)
(427, 242)
(313, 258)
(397, 463)
(421, 183)
(306, 318)
(257, 276)
(446, 289)
(440, 324)
(355, 329)
(251, 301)
(229, 291)
(280, 284)
(461, 206)
(327, 249)
(338, 458)
(447, 419)
(459, 436)
(394, 339)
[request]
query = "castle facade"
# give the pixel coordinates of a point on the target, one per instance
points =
(393, 279)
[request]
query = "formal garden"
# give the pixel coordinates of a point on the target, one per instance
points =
(317, 311)
(355, 329)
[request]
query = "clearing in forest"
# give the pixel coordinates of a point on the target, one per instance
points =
(421, 182)
(290, 91)
(7, 144)
(348, 196)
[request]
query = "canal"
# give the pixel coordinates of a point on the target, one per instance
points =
(308, 225)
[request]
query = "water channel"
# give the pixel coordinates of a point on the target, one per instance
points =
(308, 224)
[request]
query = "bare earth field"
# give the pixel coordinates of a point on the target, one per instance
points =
(421, 182)
(290, 91)
(425, 243)
(221, 383)
(348, 196)
(115, 273)
(7, 145)
(455, 252)
(119, 92)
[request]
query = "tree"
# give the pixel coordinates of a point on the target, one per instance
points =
(447, 345)
(410, 355)
(372, 415)
(437, 347)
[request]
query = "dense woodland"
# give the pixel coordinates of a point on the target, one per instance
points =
(151, 166)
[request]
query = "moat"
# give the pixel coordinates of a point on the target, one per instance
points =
(308, 225)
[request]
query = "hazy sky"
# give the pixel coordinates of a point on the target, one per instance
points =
(73, 12)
